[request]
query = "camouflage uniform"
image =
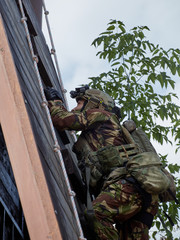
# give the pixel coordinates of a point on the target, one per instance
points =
(119, 201)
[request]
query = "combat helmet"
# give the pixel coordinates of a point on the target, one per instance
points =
(94, 98)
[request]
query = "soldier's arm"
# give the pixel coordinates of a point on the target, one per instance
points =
(65, 120)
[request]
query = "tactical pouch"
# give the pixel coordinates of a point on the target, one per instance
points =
(147, 169)
(109, 158)
(112, 157)
(92, 162)
(114, 176)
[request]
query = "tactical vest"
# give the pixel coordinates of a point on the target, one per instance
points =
(138, 159)
(105, 160)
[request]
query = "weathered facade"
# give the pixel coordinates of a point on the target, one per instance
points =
(12, 222)
(36, 180)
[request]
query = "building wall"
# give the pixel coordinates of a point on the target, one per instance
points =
(37, 5)
(11, 15)
(12, 222)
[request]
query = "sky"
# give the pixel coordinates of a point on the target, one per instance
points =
(75, 24)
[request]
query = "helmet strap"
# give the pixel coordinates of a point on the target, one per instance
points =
(84, 105)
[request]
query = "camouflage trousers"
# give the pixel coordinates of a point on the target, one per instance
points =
(118, 204)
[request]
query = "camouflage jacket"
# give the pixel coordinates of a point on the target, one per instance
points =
(100, 128)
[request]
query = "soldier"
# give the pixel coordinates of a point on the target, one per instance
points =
(122, 210)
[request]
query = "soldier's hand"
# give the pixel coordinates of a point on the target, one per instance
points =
(52, 94)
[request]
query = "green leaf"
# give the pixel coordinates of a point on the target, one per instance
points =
(146, 27)
(122, 28)
(156, 51)
(172, 83)
(152, 77)
(141, 35)
(161, 80)
(106, 33)
(173, 68)
(138, 43)
(144, 45)
(178, 70)
(112, 22)
(112, 27)
(121, 70)
(158, 225)
(114, 64)
(177, 50)
(154, 234)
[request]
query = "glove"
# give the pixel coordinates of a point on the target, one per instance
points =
(52, 94)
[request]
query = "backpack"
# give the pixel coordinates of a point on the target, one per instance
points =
(143, 142)
(139, 160)
(145, 167)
